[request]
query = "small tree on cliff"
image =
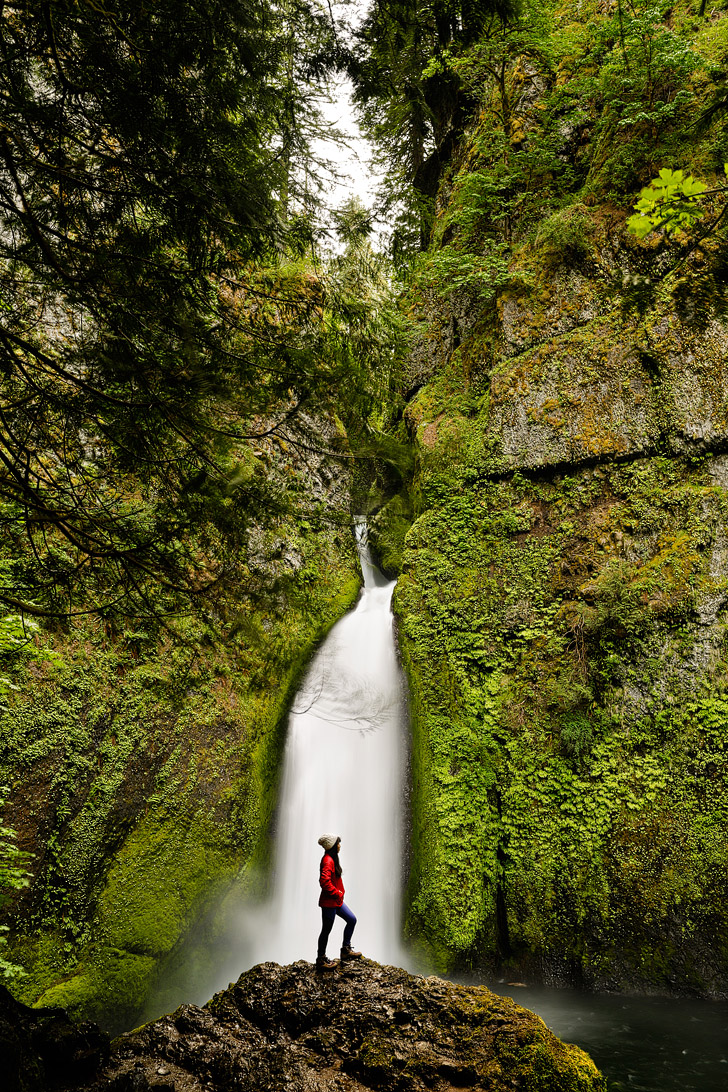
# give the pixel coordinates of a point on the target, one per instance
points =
(413, 101)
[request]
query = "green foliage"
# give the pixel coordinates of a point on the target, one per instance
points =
(363, 315)
(564, 673)
(645, 87)
(611, 601)
(486, 66)
(159, 323)
(576, 731)
(449, 270)
(412, 99)
(21, 643)
(387, 531)
(624, 77)
(645, 82)
(566, 234)
(669, 203)
(14, 876)
(15, 634)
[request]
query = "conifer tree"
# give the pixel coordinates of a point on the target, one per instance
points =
(145, 152)
(413, 102)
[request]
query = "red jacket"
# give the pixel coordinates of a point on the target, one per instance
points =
(332, 886)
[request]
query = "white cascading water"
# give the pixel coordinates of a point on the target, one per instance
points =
(343, 773)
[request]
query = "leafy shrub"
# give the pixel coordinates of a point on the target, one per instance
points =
(13, 877)
(450, 269)
(616, 608)
(645, 90)
(565, 234)
(576, 731)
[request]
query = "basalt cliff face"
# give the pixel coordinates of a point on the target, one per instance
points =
(362, 1026)
(562, 603)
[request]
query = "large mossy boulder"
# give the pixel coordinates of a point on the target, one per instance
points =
(362, 1026)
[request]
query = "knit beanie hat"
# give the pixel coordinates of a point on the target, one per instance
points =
(328, 841)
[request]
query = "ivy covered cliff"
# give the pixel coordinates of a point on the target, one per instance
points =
(562, 547)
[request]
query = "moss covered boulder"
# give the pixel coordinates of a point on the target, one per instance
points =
(362, 1026)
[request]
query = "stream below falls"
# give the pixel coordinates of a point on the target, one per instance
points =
(641, 1044)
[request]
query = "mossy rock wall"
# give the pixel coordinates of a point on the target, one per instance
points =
(564, 640)
(143, 771)
(562, 604)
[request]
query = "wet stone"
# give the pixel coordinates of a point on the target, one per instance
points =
(363, 1027)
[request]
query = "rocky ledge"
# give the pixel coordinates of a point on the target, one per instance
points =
(361, 1026)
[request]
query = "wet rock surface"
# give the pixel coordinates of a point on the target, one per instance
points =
(361, 1026)
(43, 1049)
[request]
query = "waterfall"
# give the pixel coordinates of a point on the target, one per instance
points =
(343, 773)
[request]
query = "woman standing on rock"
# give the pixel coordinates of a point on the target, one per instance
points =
(332, 903)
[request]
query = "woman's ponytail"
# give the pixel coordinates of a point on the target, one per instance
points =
(334, 854)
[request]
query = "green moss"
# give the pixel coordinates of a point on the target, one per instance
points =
(558, 1067)
(114, 986)
(145, 779)
(387, 531)
(556, 723)
(73, 994)
(156, 882)
(566, 235)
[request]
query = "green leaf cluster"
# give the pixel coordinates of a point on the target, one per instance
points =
(669, 203)
(14, 876)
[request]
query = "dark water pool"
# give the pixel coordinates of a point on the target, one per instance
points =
(641, 1044)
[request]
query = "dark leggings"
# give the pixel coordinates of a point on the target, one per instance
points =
(328, 917)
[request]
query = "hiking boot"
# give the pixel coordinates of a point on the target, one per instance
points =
(324, 964)
(349, 953)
